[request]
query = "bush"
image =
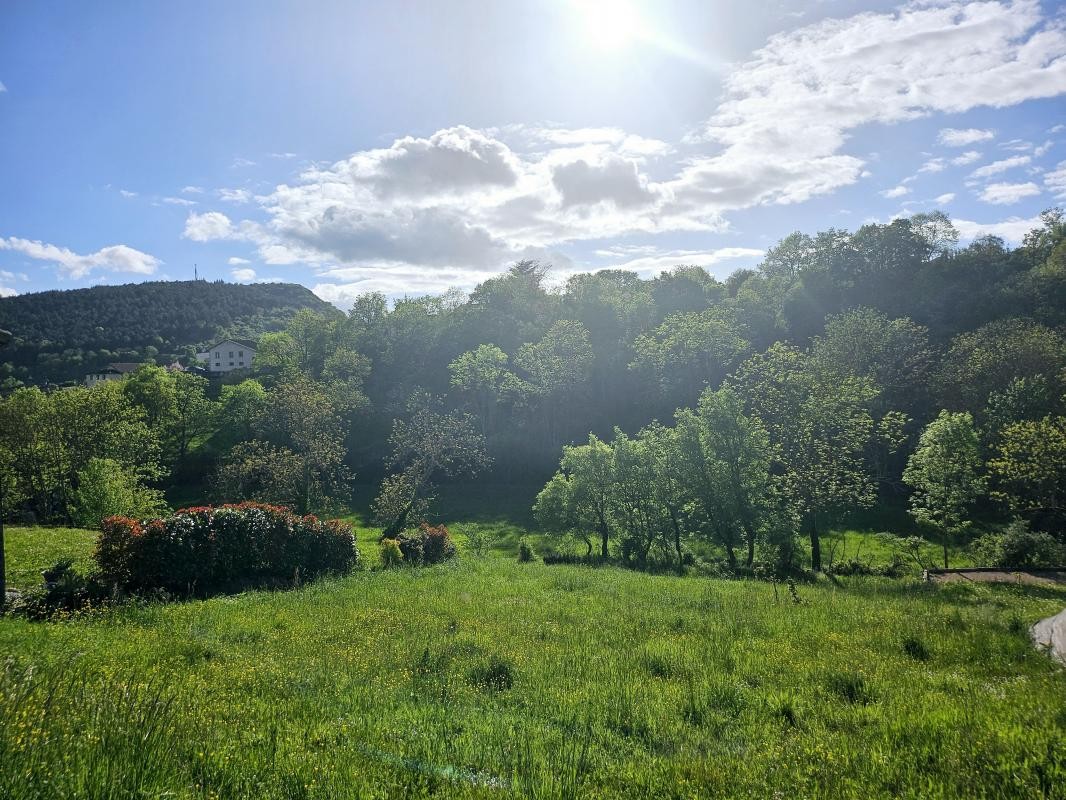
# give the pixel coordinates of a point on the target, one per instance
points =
(208, 549)
(63, 589)
(426, 545)
(1017, 547)
(525, 553)
(106, 488)
(391, 555)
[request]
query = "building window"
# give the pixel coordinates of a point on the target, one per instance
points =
(217, 354)
(240, 353)
(218, 364)
(231, 363)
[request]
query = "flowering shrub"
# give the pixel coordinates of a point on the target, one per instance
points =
(206, 549)
(426, 545)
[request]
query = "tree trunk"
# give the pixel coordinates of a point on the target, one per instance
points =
(731, 555)
(677, 542)
(816, 547)
(605, 534)
(750, 534)
(944, 538)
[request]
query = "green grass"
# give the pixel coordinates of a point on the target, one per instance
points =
(29, 550)
(487, 678)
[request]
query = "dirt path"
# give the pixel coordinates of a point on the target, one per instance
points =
(1037, 577)
(1051, 633)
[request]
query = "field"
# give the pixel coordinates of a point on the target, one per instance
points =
(490, 678)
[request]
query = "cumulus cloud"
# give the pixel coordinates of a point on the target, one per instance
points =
(955, 137)
(897, 191)
(127, 193)
(244, 275)
(1011, 230)
(116, 258)
(1007, 193)
(462, 202)
(6, 291)
(179, 201)
(997, 167)
(207, 226)
(944, 199)
(192, 190)
(234, 261)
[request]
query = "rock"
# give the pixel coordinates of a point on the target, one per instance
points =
(1050, 635)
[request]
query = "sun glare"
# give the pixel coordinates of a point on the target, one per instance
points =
(610, 24)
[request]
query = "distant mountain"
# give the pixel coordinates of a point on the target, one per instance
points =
(59, 336)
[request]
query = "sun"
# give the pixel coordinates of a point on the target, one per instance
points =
(609, 24)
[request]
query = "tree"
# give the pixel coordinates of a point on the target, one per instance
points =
(260, 471)
(578, 497)
(193, 414)
(302, 418)
(428, 445)
(726, 458)
(821, 428)
(106, 488)
(482, 375)
(1029, 469)
(944, 472)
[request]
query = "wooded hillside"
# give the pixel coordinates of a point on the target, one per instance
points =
(61, 335)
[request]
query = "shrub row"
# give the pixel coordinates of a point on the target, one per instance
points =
(207, 549)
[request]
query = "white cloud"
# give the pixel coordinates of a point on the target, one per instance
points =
(179, 201)
(207, 226)
(117, 258)
(283, 155)
(463, 202)
(234, 261)
(650, 264)
(245, 275)
(933, 165)
(1055, 181)
(2, 87)
(1057, 129)
(955, 137)
(126, 193)
(944, 199)
(238, 196)
(192, 190)
(1039, 152)
(1011, 230)
(6, 291)
(966, 158)
(997, 167)
(239, 163)
(1007, 193)
(898, 191)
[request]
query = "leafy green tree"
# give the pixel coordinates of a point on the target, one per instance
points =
(260, 471)
(302, 418)
(990, 358)
(106, 488)
(945, 474)
(821, 428)
(1028, 469)
(690, 351)
(578, 498)
(482, 375)
(727, 459)
(241, 405)
(193, 414)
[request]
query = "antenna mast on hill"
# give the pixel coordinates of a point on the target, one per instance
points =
(195, 273)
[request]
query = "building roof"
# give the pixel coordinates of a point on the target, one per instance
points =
(245, 343)
(124, 366)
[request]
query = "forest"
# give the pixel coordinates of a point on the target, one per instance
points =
(654, 420)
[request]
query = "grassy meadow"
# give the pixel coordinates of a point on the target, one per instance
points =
(485, 677)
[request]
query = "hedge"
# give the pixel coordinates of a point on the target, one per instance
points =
(208, 549)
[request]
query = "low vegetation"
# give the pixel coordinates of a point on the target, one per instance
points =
(489, 677)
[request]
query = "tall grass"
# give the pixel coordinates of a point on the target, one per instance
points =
(490, 678)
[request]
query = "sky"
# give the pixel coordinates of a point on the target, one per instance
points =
(412, 147)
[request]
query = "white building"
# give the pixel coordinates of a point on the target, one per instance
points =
(227, 355)
(112, 372)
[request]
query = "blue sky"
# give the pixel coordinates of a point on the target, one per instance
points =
(411, 147)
